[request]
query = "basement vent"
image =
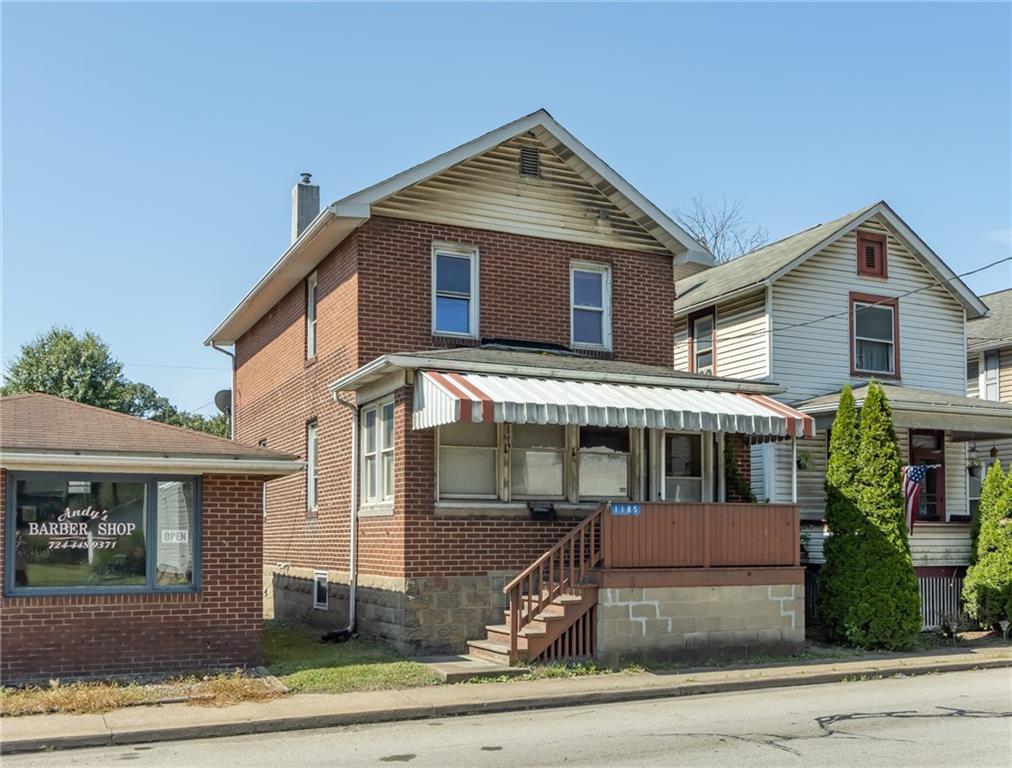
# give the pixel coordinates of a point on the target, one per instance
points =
(530, 161)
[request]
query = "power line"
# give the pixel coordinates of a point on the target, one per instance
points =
(189, 367)
(846, 312)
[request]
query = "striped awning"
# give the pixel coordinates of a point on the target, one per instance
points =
(443, 397)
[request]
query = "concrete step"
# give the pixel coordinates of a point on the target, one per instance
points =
(457, 669)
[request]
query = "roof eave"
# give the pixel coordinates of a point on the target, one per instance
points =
(16, 458)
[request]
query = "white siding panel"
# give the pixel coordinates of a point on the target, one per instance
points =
(741, 338)
(814, 359)
(681, 344)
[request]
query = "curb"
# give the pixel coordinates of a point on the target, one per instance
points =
(425, 711)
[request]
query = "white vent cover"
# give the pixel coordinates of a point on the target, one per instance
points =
(530, 161)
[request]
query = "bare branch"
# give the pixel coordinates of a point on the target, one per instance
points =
(721, 228)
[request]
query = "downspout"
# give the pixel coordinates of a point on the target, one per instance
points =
(231, 410)
(353, 526)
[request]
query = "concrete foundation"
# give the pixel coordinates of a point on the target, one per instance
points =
(433, 615)
(698, 622)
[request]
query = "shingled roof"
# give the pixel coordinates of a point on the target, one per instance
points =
(995, 330)
(40, 424)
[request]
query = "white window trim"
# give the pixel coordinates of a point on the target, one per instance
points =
(312, 304)
(983, 381)
(463, 251)
(385, 496)
(498, 449)
(706, 489)
(605, 309)
(319, 576)
(712, 319)
(312, 466)
(891, 343)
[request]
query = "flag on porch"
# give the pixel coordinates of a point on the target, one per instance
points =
(913, 480)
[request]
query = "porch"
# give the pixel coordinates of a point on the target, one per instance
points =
(656, 577)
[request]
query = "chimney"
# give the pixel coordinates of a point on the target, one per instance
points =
(305, 204)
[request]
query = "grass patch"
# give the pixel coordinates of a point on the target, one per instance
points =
(294, 654)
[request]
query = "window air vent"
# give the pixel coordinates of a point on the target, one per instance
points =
(530, 161)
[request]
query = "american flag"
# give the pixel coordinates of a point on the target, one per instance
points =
(913, 480)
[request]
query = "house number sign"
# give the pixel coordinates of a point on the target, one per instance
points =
(625, 510)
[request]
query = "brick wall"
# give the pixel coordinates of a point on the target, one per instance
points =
(374, 299)
(220, 626)
(742, 463)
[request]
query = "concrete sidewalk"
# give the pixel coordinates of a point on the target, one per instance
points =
(300, 711)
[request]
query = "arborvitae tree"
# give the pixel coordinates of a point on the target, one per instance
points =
(992, 488)
(886, 613)
(843, 518)
(987, 590)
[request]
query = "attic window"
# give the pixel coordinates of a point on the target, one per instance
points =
(530, 161)
(871, 254)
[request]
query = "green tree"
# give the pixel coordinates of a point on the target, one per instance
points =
(886, 610)
(987, 589)
(82, 368)
(842, 547)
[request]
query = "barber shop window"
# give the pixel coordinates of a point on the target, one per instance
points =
(537, 462)
(468, 456)
(454, 290)
(590, 305)
(604, 463)
(74, 533)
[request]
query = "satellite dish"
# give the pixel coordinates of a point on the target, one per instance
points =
(223, 400)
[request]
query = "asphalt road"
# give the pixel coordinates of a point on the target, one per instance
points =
(949, 720)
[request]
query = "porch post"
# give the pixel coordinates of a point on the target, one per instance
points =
(794, 470)
(721, 472)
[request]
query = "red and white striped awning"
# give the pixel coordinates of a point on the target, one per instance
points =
(443, 397)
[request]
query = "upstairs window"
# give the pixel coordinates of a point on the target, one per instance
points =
(989, 377)
(702, 352)
(590, 305)
(311, 316)
(378, 453)
(871, 254)
(454, 290)
(875, 335)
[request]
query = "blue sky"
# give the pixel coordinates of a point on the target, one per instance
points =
(149, 150)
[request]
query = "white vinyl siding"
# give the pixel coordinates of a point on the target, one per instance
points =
(489, 192)
(740, 339)
(813, 360)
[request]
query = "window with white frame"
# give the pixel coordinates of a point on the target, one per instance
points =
(702, 343)
(454, 290)
(538, 461)
(311, 316)
(312, 476)
(604, 463)
(989, 377)
(468, 457)
(874, 343)
(321, 593)
(590, 305)
(378, 453)
(683, 467)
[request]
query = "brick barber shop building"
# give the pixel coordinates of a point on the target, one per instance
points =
(475, 358)
(129, 546)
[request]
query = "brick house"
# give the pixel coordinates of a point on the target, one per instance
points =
(473, 356)
(128, 546)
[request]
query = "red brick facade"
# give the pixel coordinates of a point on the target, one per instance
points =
(219, 626)
(374, 299)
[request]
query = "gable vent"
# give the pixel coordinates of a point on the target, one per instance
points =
(530, 161)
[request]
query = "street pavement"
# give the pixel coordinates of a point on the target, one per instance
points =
(952, 719)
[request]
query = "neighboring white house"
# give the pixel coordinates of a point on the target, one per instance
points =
(855, 299)
(989, 372)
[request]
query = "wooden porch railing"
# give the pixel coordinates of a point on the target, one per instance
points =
(559, 571)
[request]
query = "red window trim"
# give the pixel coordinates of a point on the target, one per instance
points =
(887, 301)
(690, 332)
(872, 237)
(940, 434)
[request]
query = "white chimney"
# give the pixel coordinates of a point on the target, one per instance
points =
(305, 204)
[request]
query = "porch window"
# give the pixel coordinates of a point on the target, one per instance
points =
(875, 330)
(455, 290)
(702, 353)
(989, 377)
(590, 305)
(537, 461)
(928, 447)
(604, 463)
(468, 454)
(378, 453)
(98, 533)
(683, 467)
